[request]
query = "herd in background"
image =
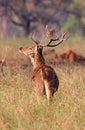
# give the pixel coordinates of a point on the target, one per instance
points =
(69, 56)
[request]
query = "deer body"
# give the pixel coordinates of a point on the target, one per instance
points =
(44, 79)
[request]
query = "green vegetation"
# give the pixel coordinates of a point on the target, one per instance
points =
(19, 109)
(71, 23)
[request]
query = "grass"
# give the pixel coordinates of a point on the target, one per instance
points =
(19, 109)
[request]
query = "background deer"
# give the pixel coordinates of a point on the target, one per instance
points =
(44, 78)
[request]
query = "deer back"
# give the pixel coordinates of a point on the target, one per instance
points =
(44, 74)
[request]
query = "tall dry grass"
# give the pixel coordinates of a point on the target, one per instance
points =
(19, 109)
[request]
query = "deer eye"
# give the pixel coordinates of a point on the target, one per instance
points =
(32, 55)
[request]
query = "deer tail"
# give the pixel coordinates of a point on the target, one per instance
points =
(48, 90)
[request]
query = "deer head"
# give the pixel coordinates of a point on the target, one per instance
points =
(34, 53)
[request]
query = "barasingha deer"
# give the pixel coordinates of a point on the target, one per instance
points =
(44, 78)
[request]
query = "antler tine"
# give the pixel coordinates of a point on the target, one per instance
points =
(68, 35)
(34, 41)
(60, 39)
(51, 40)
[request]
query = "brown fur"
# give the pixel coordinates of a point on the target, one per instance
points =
(44, 79)
(50, 33)
(55, 58)
(69, 55)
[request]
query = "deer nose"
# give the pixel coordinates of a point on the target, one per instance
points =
(20, 49)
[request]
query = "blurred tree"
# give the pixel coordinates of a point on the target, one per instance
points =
(76, 17)
(29, 13)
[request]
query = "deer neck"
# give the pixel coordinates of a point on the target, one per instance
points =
(38, 60)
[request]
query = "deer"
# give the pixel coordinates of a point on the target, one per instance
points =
(44, 78)
(69, 56)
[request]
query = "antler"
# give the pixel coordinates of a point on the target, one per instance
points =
(60, 39)
(50, 33)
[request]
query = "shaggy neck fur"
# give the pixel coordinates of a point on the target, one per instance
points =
(37, 60)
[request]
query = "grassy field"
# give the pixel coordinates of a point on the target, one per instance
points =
(19, 109)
